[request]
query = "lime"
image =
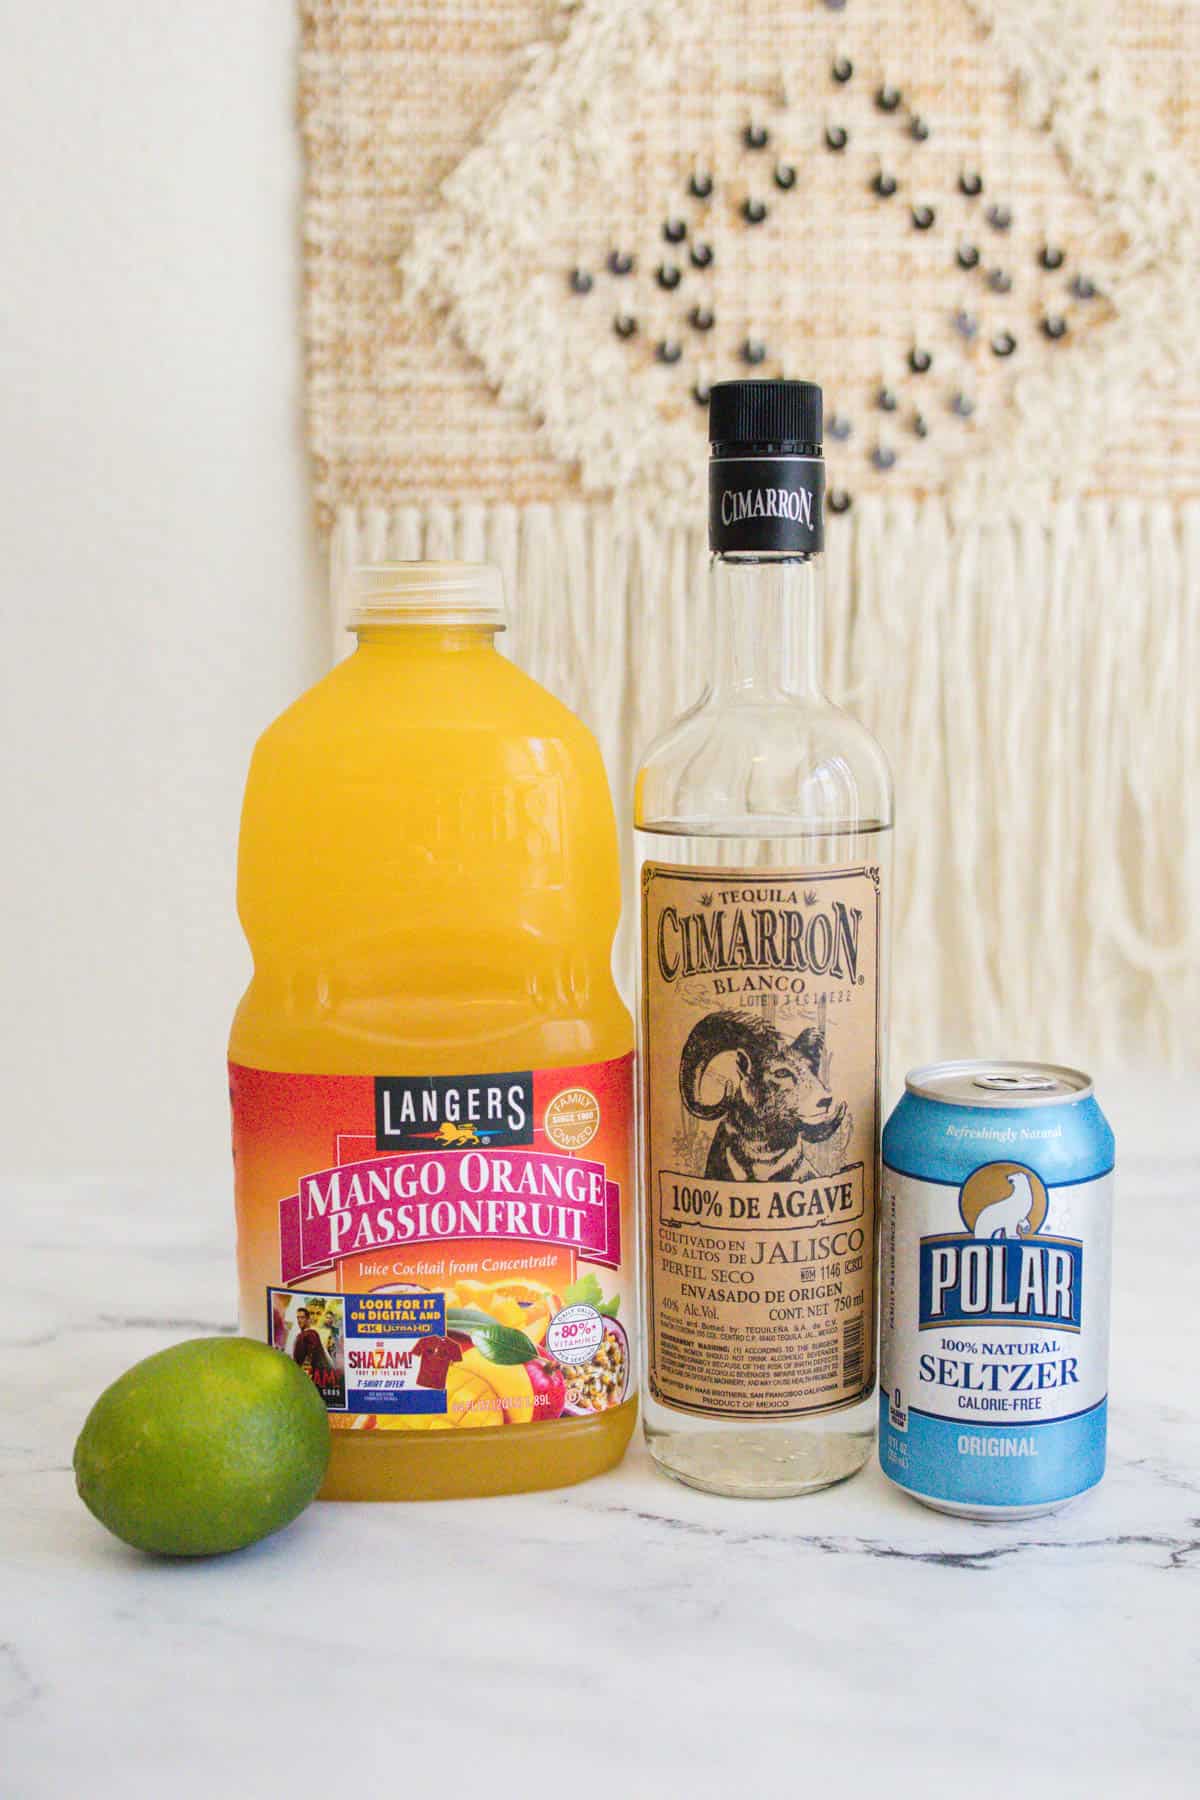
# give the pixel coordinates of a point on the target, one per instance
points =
(203, 1448)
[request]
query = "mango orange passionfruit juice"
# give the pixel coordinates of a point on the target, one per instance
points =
(431, 1068)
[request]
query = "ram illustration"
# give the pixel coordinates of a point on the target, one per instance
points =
(776, 1107)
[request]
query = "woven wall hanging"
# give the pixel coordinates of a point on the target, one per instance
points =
(535, 233)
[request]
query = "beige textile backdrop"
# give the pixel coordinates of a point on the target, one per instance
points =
(534, 233)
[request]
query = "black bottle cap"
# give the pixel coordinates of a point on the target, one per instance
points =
(783, 413)
(766, 477)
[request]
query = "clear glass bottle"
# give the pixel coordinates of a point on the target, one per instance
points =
(763, 822)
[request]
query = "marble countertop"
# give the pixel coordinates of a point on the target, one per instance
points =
(626, 1635)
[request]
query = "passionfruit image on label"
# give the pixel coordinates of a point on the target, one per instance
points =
(603, 1380)
(575, 1334)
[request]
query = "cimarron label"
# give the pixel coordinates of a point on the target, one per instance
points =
(760, 999)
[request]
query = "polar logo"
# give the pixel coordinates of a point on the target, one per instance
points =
(1012, 1216)
(999, 1271)
(1004, 1201)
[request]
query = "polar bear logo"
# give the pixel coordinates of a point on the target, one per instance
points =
(1012, 1215)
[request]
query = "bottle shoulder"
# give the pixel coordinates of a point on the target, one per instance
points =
(808, 761)
(429, 851)
(391, 696)
(385, 1032)
(452, 745)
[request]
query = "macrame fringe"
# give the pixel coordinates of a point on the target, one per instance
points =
(1034, 684)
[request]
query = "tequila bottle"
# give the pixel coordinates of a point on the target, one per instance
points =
(763, 820)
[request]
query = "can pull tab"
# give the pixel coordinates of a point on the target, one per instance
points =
(1016, 1084)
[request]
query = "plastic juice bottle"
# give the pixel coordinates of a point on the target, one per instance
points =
(431, 1069)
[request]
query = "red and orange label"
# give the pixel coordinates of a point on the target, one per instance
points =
(441, 1252)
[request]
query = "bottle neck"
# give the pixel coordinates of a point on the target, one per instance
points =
(767, 629)
(425, 639)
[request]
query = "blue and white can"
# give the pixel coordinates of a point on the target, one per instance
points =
(995, 1272)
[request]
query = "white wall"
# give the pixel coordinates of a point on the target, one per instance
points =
(162, 594)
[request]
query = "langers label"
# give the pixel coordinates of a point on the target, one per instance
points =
(760, 1000)
(440, 1251)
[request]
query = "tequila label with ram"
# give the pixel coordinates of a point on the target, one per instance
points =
(763, 820)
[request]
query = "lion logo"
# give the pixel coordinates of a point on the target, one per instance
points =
(456, 1137)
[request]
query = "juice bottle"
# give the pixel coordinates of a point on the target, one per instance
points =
(431, 1068)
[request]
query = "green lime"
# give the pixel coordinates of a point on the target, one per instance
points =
(203, 1448)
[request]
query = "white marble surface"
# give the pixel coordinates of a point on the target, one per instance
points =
(628, 1635)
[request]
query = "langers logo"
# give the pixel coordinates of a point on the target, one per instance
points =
(1005, 1269)
(453, 1112)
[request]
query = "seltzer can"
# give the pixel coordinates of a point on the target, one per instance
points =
(995, 1263)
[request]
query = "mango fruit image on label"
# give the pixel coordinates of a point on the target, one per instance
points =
(479, 1394)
